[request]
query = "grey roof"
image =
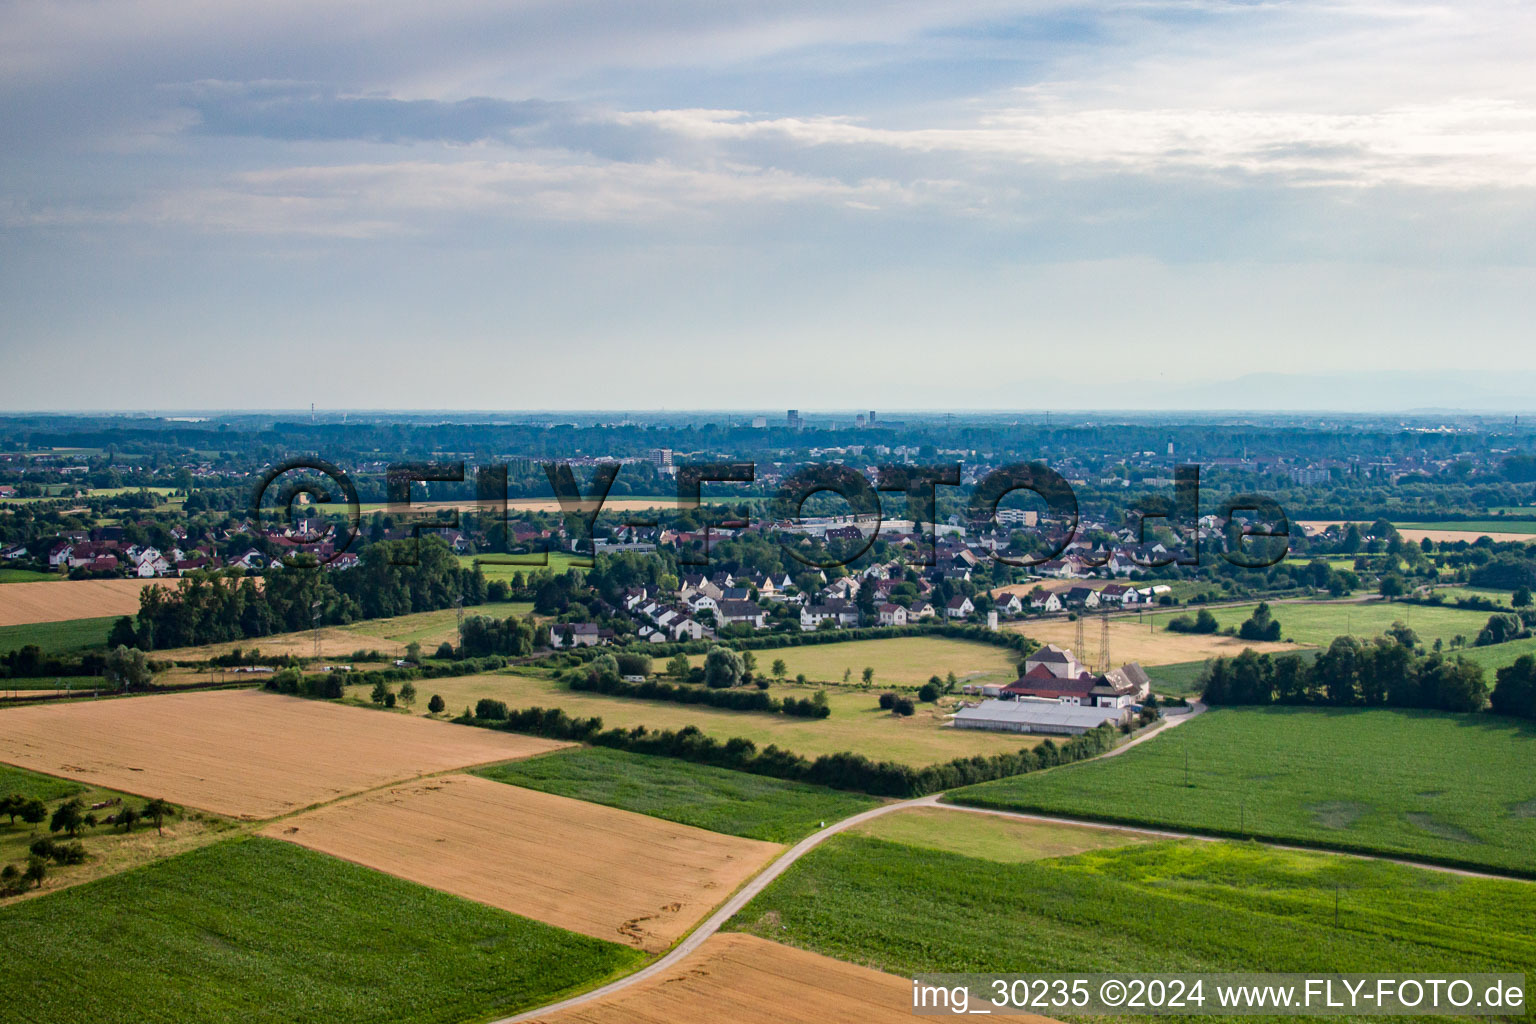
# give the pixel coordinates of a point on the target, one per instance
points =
(1040, 713)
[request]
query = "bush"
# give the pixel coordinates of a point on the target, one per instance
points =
(389, 700)
(437, 705)
(887, 701)
(904, 706)
(633, 664)
(723, 667)
(929, 693)
(490, 710)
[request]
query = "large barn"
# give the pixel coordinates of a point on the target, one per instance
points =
(1038, 716)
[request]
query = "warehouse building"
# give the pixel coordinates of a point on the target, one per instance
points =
(1046, 717)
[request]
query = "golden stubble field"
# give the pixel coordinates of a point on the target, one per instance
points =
(47, 601)
(243, 753)
(1146, 642)
(596, 870)
(747, 980)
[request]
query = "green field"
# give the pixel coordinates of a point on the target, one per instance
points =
(1318, 622)
(1450, 594)
(558, 562)
(257, 930)
(1168, 906)
(68, 637)
(718, 799)
(1178, 679)
(1496, 656)
(34, 786)
(991, 836)
(897, 661)
(52, 683)
(431, 628)
(27, 576)
(1459, 789)
(856, 722)
(1495, 525)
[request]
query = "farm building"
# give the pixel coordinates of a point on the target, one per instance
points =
(1031, 716)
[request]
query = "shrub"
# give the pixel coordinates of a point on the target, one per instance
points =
(904, 706)
(929, 693)
(887, 701)
(723, 667)
(437, 705)
(494, 710)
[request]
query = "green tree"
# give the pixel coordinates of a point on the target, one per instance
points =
(437, 705)
(69, 818)
(126, 818)
(408, 693)
(33, 811)
(1521, 597)
(869, 675)
(127, 668)
(723, 667)
(780, 670)
(929, 693)
(678, 666)
(122, 633)
(156, 811)
(380, 693)
(1392, 586)
(37, 870)
(413, 652)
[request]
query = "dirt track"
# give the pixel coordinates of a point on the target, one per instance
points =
(604, 872)
(243, 753)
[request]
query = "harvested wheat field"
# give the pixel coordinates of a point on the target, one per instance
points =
(48, 601)
(748, 980)
(335, 642)
(604, 872)
(1130, 640)
(243, 753)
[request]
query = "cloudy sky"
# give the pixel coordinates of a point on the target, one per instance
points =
(584, 204)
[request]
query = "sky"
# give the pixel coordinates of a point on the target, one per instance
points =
(704, 205)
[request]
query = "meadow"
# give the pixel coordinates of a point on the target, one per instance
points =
(1496, 656)
(856, 722)
(388, 636)
(28, 576)
(555, 561)
(70, 636)
(255, 930)
(1186, 906)
(432, 628)
(1458, 789)
(1318, 622)
(109, 848)
(717, 799)
(991, 836)
(897, 661)
(1496, 525)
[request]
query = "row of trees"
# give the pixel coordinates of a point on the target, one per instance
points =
(220, 606)
(1385, 672)
(841, 771)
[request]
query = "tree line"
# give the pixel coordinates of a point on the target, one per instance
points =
(1385, 672)
(219, 606)
(843, 770)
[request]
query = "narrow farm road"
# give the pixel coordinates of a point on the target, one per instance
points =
(726, 911)
(729, 909)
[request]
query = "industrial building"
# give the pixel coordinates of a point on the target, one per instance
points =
(1046, 717)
